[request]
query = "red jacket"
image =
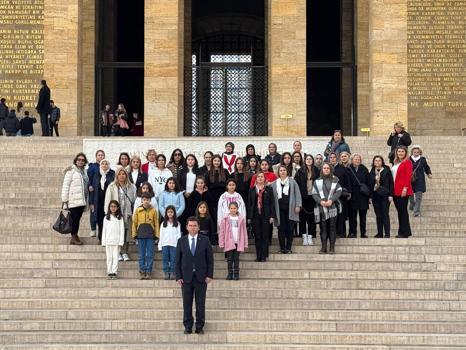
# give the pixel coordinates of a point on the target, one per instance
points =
(403, 178)
(145, 168)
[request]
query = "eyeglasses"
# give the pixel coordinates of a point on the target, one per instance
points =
(177, 154)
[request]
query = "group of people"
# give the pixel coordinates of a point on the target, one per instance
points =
(19, 122)
(182, 208)
(118, 123)
(236, 198)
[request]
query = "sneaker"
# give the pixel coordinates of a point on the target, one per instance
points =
(120, 258)
(114, 277)
(142, 275)
(172, 276)
(109, 276)
(417, 214)
(92, 234)
(126, 257)
(309, 241)
(167, 276)
(305, 239)
(148, 276)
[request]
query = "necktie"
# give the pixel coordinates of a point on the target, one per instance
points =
(193, 246)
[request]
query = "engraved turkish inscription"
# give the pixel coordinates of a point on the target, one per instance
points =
(437, 54)
(21, 50)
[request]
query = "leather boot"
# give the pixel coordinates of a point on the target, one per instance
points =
(332, 248)
(74, 240)
(323, 250)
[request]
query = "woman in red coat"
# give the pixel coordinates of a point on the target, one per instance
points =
(402, 171)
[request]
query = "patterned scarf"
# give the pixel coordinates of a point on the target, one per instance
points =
(260, 194)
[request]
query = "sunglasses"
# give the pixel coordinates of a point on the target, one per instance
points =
(80, 160)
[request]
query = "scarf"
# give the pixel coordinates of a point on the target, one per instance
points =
(283, 190)
(377, 178)
(103, 178)
(335, 145)
(260, 194)
(415, 158)
(229, 161)
(327, 213)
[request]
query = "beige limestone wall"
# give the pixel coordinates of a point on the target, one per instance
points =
(287, 66)
(362, 61)
(62, 44)
(163, 67)
(388, 64)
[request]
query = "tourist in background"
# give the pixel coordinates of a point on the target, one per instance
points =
(305, 178)
(121, 126)
(137, 127)
(20, 115)
(176, 162)
(336, 145)
(170, 233)
(398, 137)
(27, 124)
(326, 192)
(11, 124)
(145, 228)
(100, 182)
(106, 121)
(124, 192)
(360, 194)
(43, 107)
(54, 118)
(137, 176)
(402, 171)
(113, 236)
(261, 214)
(288, 204)
(4, 111)
(74, 194)
(420, 169)
(273, 157)
(342, 173)
(233, 238)
(382, 195)
(172, 195)
(92, 170)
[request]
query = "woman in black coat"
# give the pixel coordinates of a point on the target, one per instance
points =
(359, 202)
(187, 176)
(261, 213)
(399, 137)
(342, 173)
(136, 177)
(216, 181)
(305, 177)
(242, 178)
(381, 186)
(100, 181)
(420, 169)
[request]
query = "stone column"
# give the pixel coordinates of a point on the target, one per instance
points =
(287, 67)
(362, 60)
(163, 68)
(62, 39)
(388, 64)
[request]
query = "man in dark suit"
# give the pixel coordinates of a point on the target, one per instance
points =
(43, 107)
(194, 269)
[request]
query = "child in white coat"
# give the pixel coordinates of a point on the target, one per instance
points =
(170, 232)
(113, 237)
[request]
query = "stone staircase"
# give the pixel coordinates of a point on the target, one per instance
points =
(373, 294)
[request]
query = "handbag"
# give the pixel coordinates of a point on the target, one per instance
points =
(63, 223)
(363, 188)
(250, 232)
(413, 175)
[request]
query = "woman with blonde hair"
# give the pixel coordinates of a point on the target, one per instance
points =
(398, 137)
(124, 192)
(137, 176)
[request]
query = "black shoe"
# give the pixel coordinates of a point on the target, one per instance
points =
(188, 331)
(229, 277)
(263, 259)
(387, 236)
(352, 236)
(236, 276)
(363, 236)
(400, 236)
(257, 260)
(289, 251)
(378, 235)
(199, 331)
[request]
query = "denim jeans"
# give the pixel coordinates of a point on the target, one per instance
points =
(168, 259)
(146, 254)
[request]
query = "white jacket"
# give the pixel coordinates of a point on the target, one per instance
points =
(113, 232)
(75, 187)
(169, 235)
(223, 203)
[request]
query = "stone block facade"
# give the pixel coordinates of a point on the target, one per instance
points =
(388, 61)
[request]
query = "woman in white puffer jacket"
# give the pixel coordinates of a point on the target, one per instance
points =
(74, 194)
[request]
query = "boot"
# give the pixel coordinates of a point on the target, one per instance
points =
(332, 248)
(75, 240)
(305, 239)
(236, 275)
(323, 250)
(229, 276)
(167, 276)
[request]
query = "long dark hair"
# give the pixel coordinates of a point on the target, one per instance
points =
(172, 158)
(148, 184)
(333, 135)
(207, 207)
(381, 158)
(289, 167)
(177, 187)
(118, 212)
(306, 169)
(165, 218)
(245, 172)
(301, 160)
(124, 154)
(221, 172)
(196, 163)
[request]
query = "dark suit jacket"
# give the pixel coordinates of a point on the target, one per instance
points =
(142, 177)
(202, 261)
(268, 203)
(43, 105)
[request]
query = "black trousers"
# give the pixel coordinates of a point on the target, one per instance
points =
(285, 230)
(194, 290)
(353, 221)
(401, 204)
(233, 261)
(261, 228)
(382, 214)
(342, 217)
(106, 130)
(328, 231)
(76, 214)
(53, 126)
(44, 123)
(306, 222)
